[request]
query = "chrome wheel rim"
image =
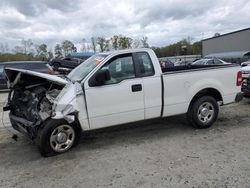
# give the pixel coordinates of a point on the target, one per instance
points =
(62, 138)
(205, 112)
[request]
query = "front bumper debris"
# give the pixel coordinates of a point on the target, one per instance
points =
(24, 126)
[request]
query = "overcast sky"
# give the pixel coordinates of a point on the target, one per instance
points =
(162, 21)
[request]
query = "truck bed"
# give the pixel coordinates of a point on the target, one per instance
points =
(179, 89)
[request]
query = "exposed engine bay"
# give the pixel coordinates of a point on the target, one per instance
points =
(34, 103)
(31, 99)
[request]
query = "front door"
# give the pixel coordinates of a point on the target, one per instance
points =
(119, 100)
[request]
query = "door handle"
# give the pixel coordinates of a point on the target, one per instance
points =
(136, 87)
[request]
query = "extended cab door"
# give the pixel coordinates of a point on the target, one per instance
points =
(120, 99)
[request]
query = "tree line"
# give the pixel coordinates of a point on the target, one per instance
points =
(183, 47)
(28, 50)
(100, 44)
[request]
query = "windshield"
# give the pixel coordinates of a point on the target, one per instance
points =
(201, 62)
(81, 71)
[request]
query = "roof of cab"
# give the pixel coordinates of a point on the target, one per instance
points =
(125, 51)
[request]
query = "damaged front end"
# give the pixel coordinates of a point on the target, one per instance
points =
(36, 97)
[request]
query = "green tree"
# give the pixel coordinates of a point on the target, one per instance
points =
(115, 42)
(42, 50)
(178, 48)
(197, 47)
(68, 47)
(107, 45)
(58, 51)
(144, 42)
(125, 42)
(101, 41)
(94, 43)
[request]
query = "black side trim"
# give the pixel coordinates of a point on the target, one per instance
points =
(162, 96)
(6, 108)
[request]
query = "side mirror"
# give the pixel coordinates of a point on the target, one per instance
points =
(100, 77)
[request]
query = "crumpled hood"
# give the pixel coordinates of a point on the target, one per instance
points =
(12, 75)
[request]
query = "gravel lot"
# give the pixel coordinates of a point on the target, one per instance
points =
(161, 153)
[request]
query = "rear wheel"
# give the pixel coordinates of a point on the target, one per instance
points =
(57, 136)
(203, 112)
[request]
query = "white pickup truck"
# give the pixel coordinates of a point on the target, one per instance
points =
(115, 88)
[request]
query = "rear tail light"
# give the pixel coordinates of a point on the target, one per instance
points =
(50, 71)
(239, 78)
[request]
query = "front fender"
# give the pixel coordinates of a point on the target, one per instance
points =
(66, 105)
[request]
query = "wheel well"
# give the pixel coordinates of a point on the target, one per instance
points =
(77, 123)
(210, 92)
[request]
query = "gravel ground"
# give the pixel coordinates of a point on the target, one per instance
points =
(160, 153)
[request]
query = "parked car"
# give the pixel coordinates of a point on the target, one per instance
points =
(115, 88)
(246, 63)
(245, 71)
(246, 79)
(246, 86)
(183, 62)
(66, 62)
(38, 66)
(209, 61)
(166, 63)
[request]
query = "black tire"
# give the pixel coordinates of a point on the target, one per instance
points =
(44, 136)
(203, 112)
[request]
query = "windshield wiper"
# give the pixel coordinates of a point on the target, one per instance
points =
(67, 78)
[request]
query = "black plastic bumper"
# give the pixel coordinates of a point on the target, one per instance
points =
(239, 96)
(246, 87)
(23, 126)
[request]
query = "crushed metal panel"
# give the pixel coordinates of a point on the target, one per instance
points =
(52, 78)
(68, 102)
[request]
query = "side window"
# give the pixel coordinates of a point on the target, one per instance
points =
(121, 68)
(210, 62)
(145, 65)
(217, 61)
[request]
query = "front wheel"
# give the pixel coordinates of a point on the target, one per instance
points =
(203, 112)
(56, 136)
